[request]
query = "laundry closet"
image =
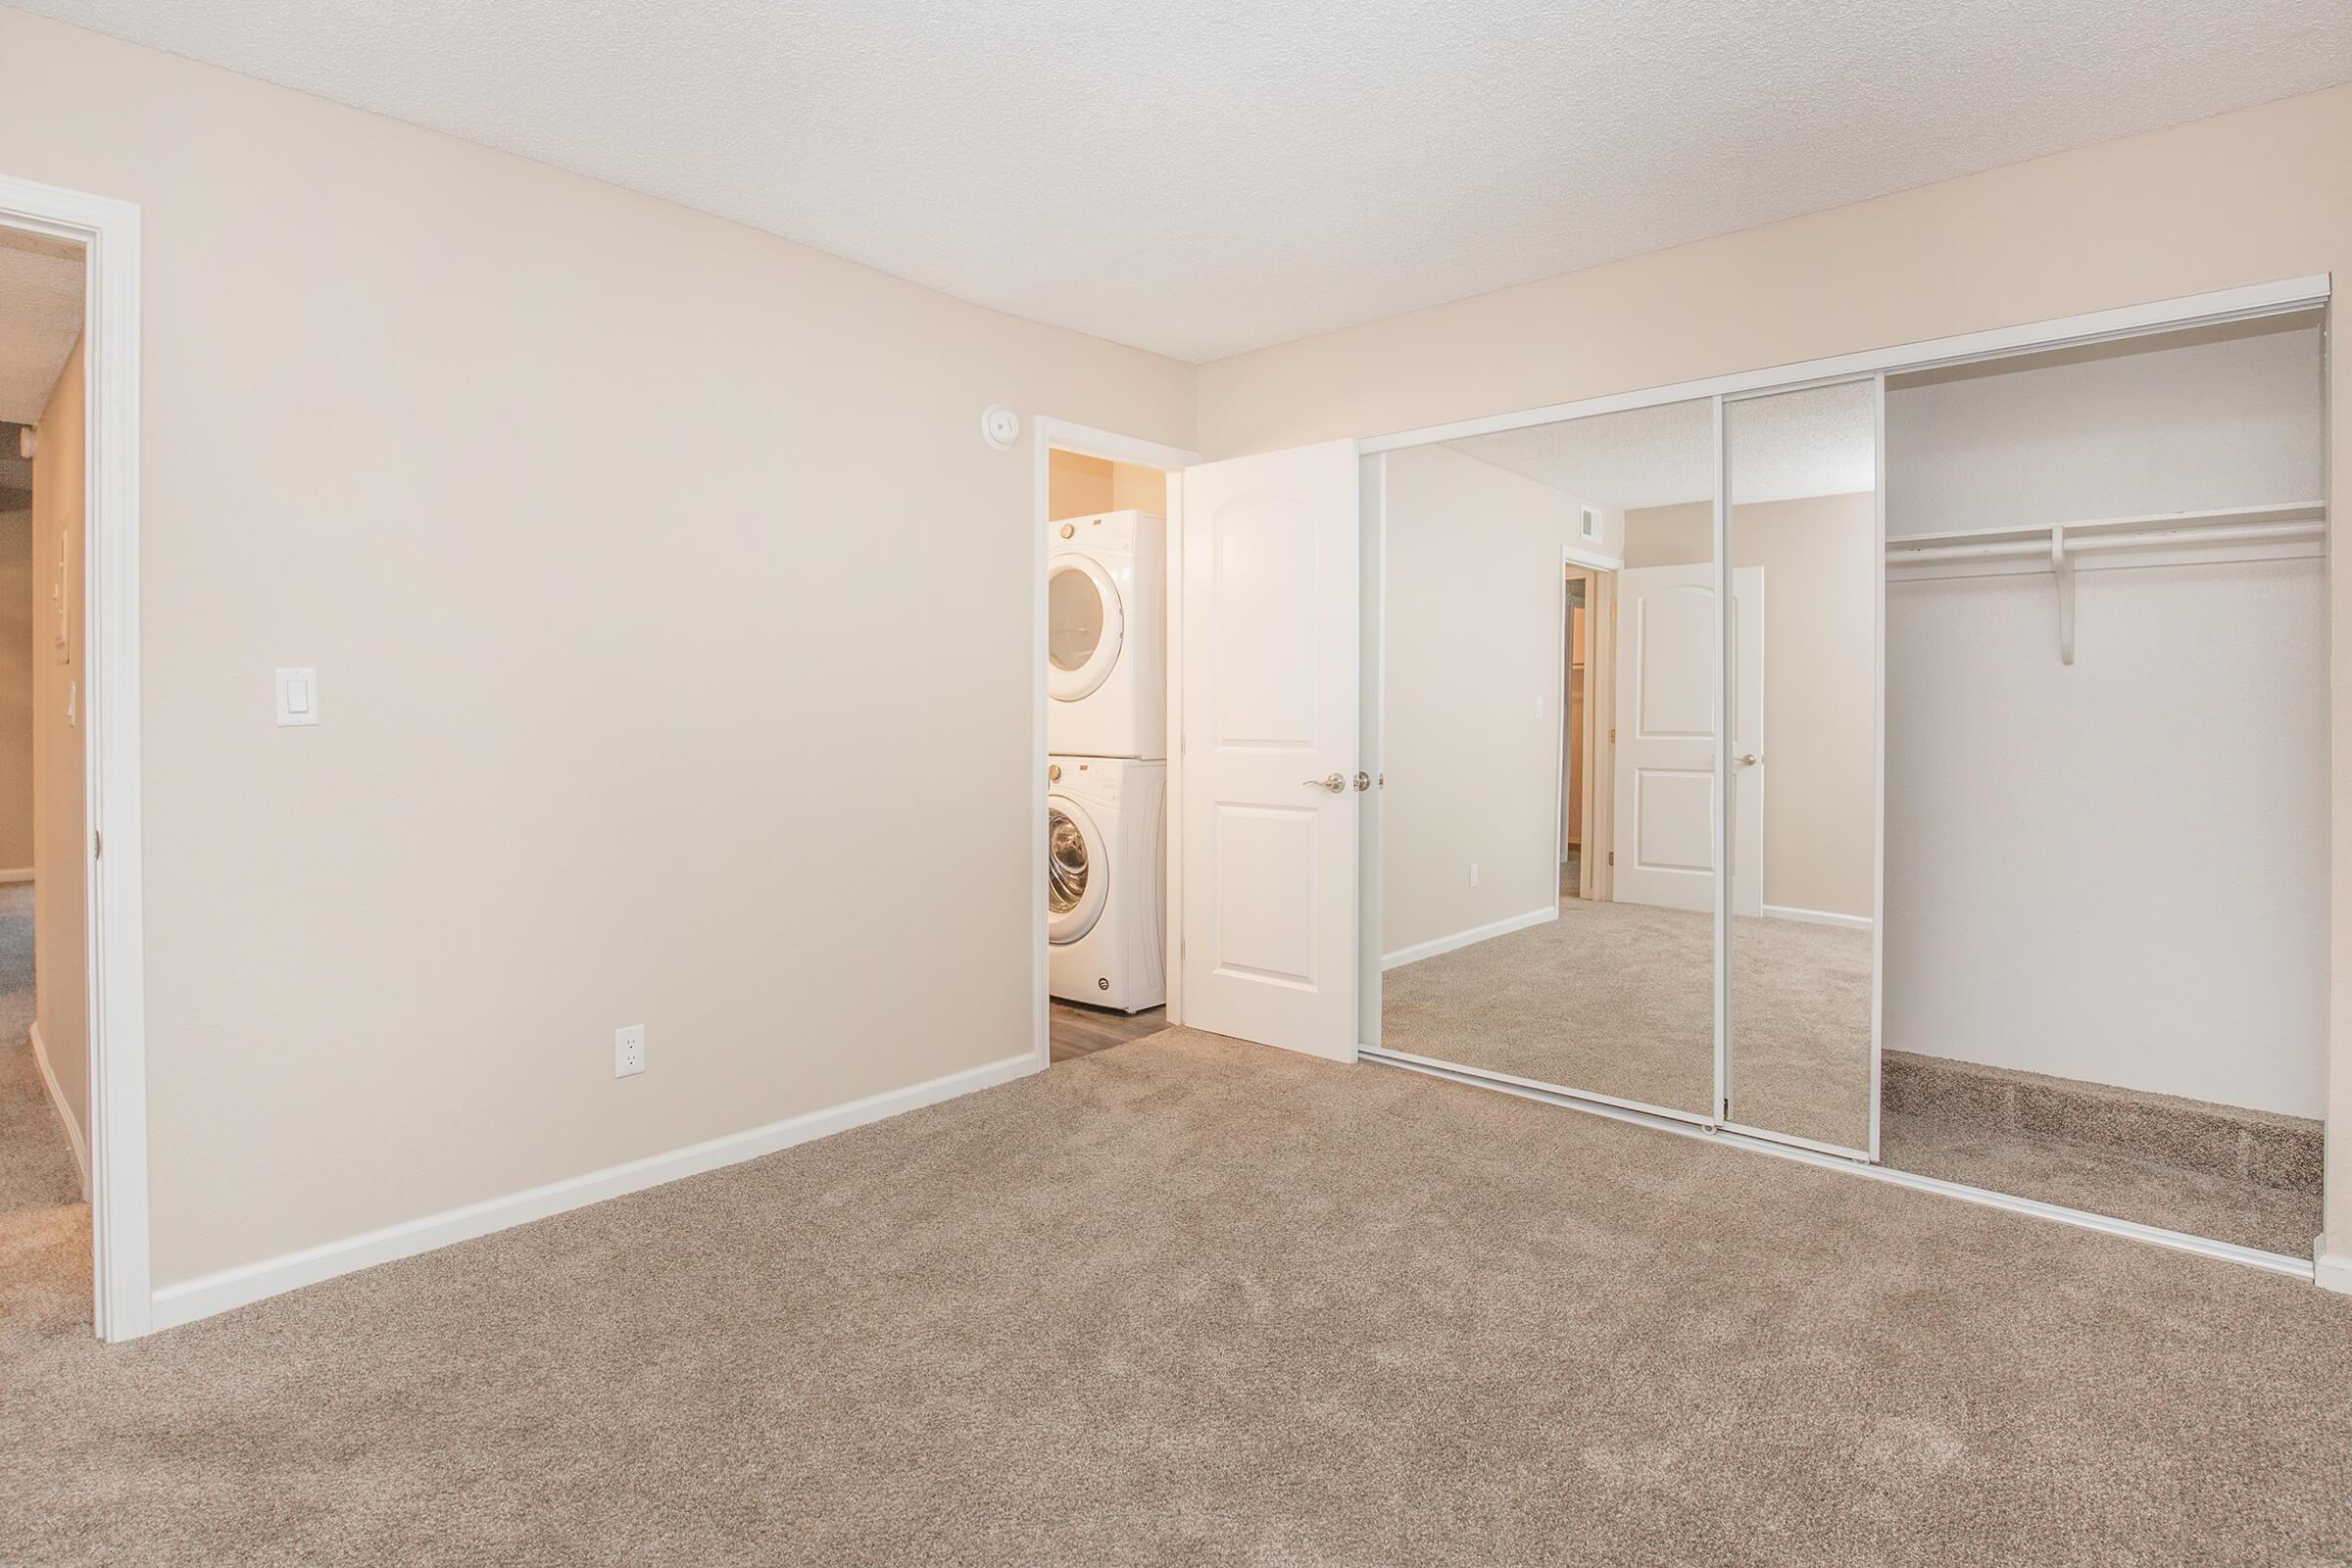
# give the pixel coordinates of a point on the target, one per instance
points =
(1107, 730)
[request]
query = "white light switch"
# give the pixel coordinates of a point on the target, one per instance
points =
(298, 697)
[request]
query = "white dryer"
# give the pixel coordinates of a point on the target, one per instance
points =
(1106, 839)
(1106, 638)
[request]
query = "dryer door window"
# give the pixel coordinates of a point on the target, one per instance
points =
(1084, 624)
(1077, 881)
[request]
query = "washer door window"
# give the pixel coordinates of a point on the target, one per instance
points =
(1084, 625)
(1077, 878)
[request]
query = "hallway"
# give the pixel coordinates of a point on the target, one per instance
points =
(44, 1225)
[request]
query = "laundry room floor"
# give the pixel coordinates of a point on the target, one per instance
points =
(1076, 1031)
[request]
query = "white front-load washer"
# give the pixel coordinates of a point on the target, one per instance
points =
(1107, 840)
(1106, 639)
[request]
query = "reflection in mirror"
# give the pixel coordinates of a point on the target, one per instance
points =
(1801, 828)
(1546, 822)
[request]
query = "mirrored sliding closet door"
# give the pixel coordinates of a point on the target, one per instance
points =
(1801, 640)
(1548, 665)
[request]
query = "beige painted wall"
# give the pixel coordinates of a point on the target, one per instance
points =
(1078, 485)
(16, 680)
(1134, 488)
(1820, 793)
(60, 821)
(567, 493)
(2240, 198)
(1471, 708)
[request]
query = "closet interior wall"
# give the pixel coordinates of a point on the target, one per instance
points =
(2113, 874)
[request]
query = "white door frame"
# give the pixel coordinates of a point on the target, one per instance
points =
(122, 1301)
(1743, 808)
(1046, 435)
(1591, 563)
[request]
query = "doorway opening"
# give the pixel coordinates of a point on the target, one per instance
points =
(1103, 505)
(70, 292)
(1580, 758)
(45, 1069)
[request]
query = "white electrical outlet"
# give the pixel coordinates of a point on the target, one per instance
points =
(628, 1050)
(1474, 874)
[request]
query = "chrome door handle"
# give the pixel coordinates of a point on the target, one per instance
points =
(1748, 759)
(1363, 781)
(1333, 782)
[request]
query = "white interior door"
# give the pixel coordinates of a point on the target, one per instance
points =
(1664, 834)
(1268, 724)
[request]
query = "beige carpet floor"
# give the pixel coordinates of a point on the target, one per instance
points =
(2148, 1188)
(1619, 1000)
(1189, 1300)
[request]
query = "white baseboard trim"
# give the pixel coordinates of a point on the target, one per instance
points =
(2332, 1271)
(190, 1299)
(1463, 938)
(22, 873)
(65, 1112)
(1783, 912)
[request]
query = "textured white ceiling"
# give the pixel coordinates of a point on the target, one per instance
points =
(1203, 176)
(1793, 444)
(40, 316)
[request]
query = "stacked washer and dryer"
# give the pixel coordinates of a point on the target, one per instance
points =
(1107, 828)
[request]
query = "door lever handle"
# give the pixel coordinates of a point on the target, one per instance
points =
(1748, 759)
(1363, 781)
(1333, 782)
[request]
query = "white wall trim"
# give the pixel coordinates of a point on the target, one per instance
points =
(1462, 939)
(190, 1299)
(65, 1112)
(1594, 559)
(2332, 1271)
(1783, 912)
(115, 928)
(1045, 434)
(22, 873)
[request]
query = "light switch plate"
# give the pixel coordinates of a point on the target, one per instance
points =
(297, 697)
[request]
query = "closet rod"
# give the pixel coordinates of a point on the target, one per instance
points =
(2058, 547)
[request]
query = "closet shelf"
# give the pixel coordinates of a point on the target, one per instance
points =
(2296, 531)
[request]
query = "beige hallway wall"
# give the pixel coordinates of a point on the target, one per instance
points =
(636, 688)
(60, 818)
(2242, 198)
(16, 680)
